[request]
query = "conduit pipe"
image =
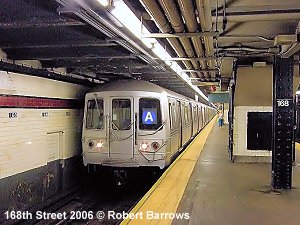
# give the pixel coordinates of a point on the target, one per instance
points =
(188, 13)
(204, 11)
(163, 24)
(259, 17)
(177, 24)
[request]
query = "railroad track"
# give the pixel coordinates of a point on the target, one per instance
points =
(99, 197)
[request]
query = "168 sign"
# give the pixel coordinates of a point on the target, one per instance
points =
(283, 102)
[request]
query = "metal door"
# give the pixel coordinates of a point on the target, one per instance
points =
(121, 128)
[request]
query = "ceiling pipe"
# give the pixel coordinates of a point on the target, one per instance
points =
(177, 24)
(101, 24)
(244, 38)
(161, 21)
(204, 12)
(260, 17)
(188, 13)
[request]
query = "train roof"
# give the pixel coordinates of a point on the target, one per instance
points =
(128, 85)
(137, 85)
(134, 85)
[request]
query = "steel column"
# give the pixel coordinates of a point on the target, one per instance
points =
(231, 113)
(282, 124)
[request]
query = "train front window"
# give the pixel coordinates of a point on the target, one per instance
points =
(94, 114)
(121, 114)
(150, 114)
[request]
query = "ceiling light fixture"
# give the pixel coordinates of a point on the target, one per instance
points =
(104, 2)
(123, 13)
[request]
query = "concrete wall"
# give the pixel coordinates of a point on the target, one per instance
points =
(253, 94)
(254, 86)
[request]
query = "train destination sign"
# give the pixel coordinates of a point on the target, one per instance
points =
(149, 116)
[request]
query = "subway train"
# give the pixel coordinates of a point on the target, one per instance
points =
(134, 123)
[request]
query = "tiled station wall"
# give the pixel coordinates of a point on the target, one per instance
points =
(40, 122)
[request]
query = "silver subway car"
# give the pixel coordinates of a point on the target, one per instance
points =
(133, 123)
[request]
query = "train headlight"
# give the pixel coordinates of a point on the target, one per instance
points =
(99, 145)
(155, 146)
(144, 146)
(91, 144)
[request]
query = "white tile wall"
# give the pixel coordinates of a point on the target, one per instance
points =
(240, 130)
(24, 139)
(24, 144)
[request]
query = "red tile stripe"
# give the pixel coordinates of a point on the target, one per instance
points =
(36, 102)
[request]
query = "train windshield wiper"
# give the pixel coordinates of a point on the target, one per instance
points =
(97, 106)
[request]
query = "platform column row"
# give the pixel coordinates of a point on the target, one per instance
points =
(282, 123)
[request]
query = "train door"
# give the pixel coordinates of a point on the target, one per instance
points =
(195, 119)
(179, 110)
(121, 128)
(199, 118)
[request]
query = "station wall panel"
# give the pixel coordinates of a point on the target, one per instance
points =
(240, 131)
(38, 117)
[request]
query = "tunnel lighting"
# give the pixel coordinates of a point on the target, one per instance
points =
(122, 12)
(126, 17)
(298, 92)
(103, 2)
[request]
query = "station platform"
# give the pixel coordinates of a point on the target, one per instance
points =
(207, 189)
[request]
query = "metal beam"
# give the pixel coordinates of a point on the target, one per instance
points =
(291, 50)
(57, 22)
(205, 83)
(83, 43)
(97, 18)
(258, 14)
(165, 78)
(178, 35)
(11, 67)
(81, 57)
(282, 123)
(192, 58)
(252, 10)
(206, 70)
(93, 63)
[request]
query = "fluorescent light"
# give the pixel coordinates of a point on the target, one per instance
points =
(103, 2)
(123, 13)
(298, 92)
(126, 17)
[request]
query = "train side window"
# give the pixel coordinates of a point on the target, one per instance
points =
(121, 113)
(171, 115)
(94, 114)
(186, 114)
(150, 114)
(190, 112)
(174, 118)
(195, 112)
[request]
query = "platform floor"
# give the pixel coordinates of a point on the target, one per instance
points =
(223, 193)
(214, 191)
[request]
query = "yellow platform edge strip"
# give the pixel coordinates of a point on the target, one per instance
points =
(188, 154)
